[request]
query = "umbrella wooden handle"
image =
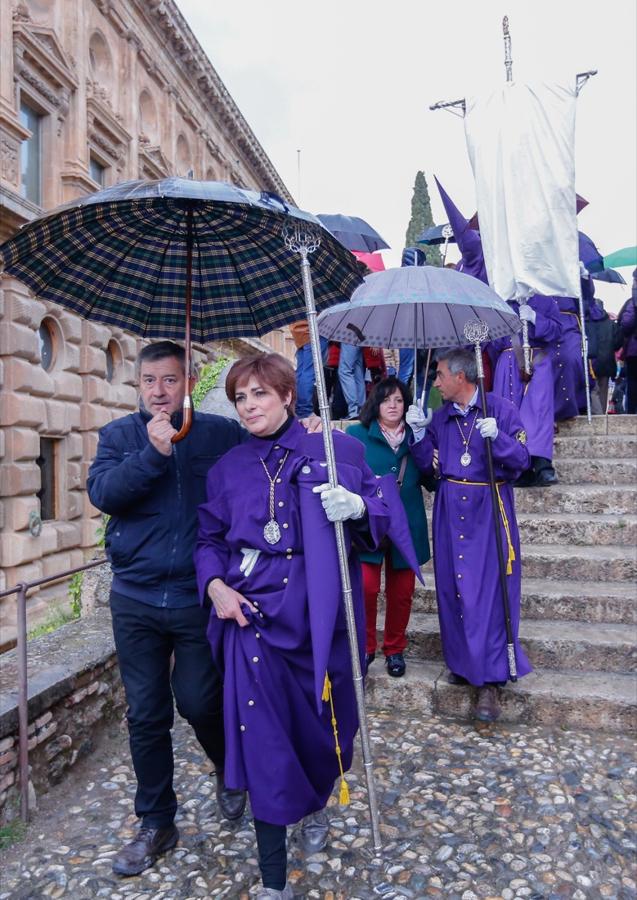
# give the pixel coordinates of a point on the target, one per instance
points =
(187, 421)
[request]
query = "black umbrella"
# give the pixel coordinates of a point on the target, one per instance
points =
(353, 233)
(178, 258)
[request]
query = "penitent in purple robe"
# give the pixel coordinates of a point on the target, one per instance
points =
(570, 388)
(279, 737)
(468, 239)
(465, 557)
(535, 398)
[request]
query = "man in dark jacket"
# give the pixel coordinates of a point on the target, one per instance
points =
(151, 489)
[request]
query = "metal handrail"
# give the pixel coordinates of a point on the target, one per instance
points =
(21, 589)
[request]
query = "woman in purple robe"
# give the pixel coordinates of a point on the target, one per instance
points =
(534, 397)
(468, 593)
(266, 560)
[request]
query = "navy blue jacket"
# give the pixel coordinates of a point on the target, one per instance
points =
(152, 500)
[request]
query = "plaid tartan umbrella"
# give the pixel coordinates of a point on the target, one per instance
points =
(121, 257)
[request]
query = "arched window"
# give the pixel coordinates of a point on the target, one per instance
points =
(49, 343)
(113, 355)
(184, 157)
(148, 117)
(100, 60)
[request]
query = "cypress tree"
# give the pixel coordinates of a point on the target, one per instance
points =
(421, 218)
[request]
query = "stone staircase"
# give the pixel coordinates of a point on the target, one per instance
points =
(579, 591)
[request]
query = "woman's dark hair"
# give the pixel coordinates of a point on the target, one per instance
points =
(380, 392)
(270, 369)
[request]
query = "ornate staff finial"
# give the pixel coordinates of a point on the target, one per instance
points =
(475, 331)
(301, 237)
(508, 61)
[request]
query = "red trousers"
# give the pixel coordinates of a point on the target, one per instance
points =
(399, 592)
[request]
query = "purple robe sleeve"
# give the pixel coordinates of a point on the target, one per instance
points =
(211, 550)
(510, 454)
(548, 326)
(422, 451)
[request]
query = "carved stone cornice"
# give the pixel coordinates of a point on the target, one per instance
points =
(76, 180)
(106, 132)
(172, 28)
(152, 162)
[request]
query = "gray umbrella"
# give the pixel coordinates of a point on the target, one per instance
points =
(422, 306)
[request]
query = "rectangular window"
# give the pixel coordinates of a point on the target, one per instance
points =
(96, 171)
(31, 155)
(47, 462)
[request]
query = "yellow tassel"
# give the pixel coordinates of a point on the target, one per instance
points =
(343, 796)
(507, 531)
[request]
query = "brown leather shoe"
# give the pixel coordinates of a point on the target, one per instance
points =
(147, 845)
(488, 705)
(232, 803)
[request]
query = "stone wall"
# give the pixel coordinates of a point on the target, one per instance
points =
(121, 91)
(75, 691)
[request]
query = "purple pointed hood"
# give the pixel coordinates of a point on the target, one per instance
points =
(468, 239)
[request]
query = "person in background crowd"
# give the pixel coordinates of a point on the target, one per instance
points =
(375, 368)
(608, 340)
(627, 319)
(534, 396)
(568, 368)
(300, 332)
(383, 433)
(468, 592)
(151, 489)
(351, 375)
(338, 406)
(412, 256)
(266, 560)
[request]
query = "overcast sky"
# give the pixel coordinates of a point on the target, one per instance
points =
(349, 84)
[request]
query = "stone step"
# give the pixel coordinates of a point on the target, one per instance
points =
(581, 470)
(599, 425)
(577, 646)
(581, 563)
(576, 529)
(573, 601)
(594, 446)
(619, 500)
(578, 700)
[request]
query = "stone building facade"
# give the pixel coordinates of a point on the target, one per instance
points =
(92, 92)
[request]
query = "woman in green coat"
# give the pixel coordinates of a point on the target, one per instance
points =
(385, 435)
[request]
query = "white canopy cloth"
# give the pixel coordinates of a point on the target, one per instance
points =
(521, 143)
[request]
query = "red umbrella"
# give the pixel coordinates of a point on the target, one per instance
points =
(373, 261)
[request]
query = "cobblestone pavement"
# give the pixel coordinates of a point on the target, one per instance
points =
(512, 813)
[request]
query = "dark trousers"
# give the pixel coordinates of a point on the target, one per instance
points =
(145, 638)
(273, 859)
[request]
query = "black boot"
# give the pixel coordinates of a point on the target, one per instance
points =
(544, 473)
(231, 802)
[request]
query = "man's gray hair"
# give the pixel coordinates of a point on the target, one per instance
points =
(461, 361)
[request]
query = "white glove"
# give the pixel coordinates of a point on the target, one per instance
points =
(527, 313)
(583, 271)
(488, 428)
(339, 503)
(416, 418)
